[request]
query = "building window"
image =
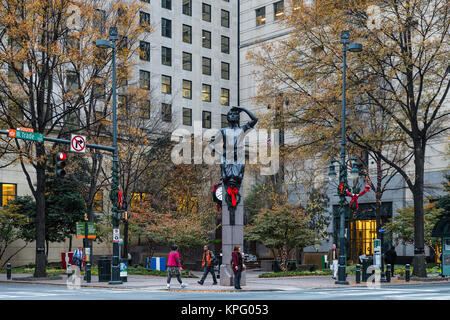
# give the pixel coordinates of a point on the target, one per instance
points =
(9, 192)
(166, 84)
(223, 121)
(260, 16)
(166, 4)
(144, 20)
(122, 104)
(187, 7)
(166, 28)
(225, 97)
(187, 61)
(278, 10)
(98, 200)
(71, 81)
(225, 71)
(187, 89)
(206, 12)
(206, 66)
(206, 39)
(166, 56)
(225, 44)
(98, 88)
(166, 110)
(144, 50)
(187, 33)
(206, 119)
(225, 18)
(144, 79)
(187, 117)
(144, 107)
(206, 92)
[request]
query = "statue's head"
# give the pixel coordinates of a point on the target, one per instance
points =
(233, 116)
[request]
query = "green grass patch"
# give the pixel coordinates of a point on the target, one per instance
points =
(54, 272)
(323, 272)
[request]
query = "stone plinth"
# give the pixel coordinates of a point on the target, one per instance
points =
(232, 235)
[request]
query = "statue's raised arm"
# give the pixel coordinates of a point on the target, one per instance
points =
(253, 118)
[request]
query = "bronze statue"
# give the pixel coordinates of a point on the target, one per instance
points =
(233, 155)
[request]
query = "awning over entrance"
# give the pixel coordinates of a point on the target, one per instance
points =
(442, 228)
(366, 211)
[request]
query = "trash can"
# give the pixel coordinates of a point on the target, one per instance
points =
(104, 269)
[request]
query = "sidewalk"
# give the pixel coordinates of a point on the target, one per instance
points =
(253, 282)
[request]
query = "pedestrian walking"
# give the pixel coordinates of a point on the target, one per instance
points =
(389, 258)
(208, 265)
(174, 266)
(332, 258)
(237, 259)
(78, 257)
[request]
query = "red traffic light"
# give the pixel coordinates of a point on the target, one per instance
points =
(61, 156)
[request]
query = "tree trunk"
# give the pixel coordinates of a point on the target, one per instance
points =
(418, 263)
(41, 263)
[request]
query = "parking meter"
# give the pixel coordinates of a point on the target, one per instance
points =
(377, 253)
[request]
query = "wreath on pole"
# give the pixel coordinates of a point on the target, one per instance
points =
(232, 197)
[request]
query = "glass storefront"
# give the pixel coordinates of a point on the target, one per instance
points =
(8, 193)
(362, 233)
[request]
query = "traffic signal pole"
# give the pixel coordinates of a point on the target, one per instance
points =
(64, 141)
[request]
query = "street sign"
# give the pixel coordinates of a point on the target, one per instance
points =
(116, 235)
(25, 129)
(78, 143)
(80, 227)
(382, 230)
(18, 134)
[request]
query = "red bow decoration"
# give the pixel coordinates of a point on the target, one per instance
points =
(356, 196)
(120, 198)
(233, 192)
(214, 188)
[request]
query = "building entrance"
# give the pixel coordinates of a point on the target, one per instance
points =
(362, 233)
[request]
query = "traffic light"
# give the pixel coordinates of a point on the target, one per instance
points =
(60, 164)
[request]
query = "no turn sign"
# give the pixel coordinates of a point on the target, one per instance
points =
(78, 143)
(116, 235)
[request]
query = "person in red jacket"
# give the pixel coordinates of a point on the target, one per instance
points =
(174, 266)
(238, 266)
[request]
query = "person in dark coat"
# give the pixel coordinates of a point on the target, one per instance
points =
(389, 258)
(238, 266)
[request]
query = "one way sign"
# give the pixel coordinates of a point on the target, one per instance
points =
(78, 143)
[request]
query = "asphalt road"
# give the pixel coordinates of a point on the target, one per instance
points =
(432, 291)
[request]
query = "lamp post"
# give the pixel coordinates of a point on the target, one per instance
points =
(343, 185)
(105, 44)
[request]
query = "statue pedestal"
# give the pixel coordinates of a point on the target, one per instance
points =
(232, 235)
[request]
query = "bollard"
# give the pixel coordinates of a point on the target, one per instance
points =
(407, 273)
(69, 270)
(8, 271)
(88, 272)
(388, 273)
(358, 273)
(364, 270)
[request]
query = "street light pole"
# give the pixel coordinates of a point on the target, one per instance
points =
(343, 184)
(115, 269)
(345, 35)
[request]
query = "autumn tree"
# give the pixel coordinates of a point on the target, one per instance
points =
(50, 75)
(281, 228)
(402, 74)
